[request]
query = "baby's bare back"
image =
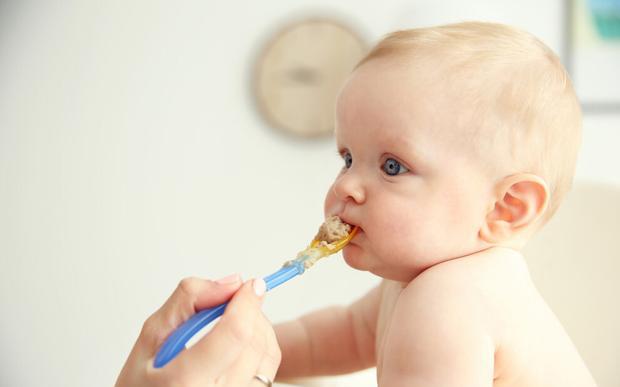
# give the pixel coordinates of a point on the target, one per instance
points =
(476, 320)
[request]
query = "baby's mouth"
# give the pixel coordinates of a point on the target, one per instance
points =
(352, 225)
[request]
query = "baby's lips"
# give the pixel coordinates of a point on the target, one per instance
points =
(337, 209)
(347, 221)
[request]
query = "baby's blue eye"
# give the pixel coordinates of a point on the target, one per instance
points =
(393, 167)
(348, 159)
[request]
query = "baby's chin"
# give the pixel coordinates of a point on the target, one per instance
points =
(352, 255)
(359, 259)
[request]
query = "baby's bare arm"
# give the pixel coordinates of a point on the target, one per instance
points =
(437, 337)
(330, 341)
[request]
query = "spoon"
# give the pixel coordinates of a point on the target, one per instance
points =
(175, 343)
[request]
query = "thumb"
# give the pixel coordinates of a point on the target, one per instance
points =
(223, 345)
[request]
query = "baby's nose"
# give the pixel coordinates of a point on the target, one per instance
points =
(349, 187)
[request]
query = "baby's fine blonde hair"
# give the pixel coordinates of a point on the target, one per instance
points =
(522, 113)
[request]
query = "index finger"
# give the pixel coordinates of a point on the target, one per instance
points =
(191, 295)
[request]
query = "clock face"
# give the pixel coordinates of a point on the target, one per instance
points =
(300, 72)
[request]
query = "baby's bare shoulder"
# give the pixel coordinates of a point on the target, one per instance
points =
(469, 292)
(442, 314)
(482, 307)
(478, 275)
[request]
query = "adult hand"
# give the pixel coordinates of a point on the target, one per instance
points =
(241, 345)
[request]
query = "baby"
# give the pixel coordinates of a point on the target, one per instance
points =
(459, 143)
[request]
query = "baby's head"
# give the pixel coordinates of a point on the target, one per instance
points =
(455, 139)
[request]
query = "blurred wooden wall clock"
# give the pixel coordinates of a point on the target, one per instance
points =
(299, 72)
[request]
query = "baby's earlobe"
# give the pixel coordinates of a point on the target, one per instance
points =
(495, 232)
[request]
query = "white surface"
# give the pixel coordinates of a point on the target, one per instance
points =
(131, 156)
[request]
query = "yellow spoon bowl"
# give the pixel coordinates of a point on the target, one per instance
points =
(334, 247)
(320, 249)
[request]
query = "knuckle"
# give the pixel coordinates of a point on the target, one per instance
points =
(189, 286)
(149, 328)
(151, 333)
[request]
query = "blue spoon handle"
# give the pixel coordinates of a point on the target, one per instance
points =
(175, 343)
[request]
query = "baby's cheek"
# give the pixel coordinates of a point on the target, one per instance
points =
(394, 222)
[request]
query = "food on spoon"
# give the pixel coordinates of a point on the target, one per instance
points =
(332, 230)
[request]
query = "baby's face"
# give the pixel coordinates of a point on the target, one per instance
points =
(408, 181)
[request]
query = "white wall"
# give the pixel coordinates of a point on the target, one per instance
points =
(131, 156)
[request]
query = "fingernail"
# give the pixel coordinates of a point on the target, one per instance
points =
(229, 279)
(259, 286)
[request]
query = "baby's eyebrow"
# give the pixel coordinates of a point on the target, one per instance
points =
(397, 143)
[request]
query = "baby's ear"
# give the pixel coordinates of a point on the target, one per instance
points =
(520, 201)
